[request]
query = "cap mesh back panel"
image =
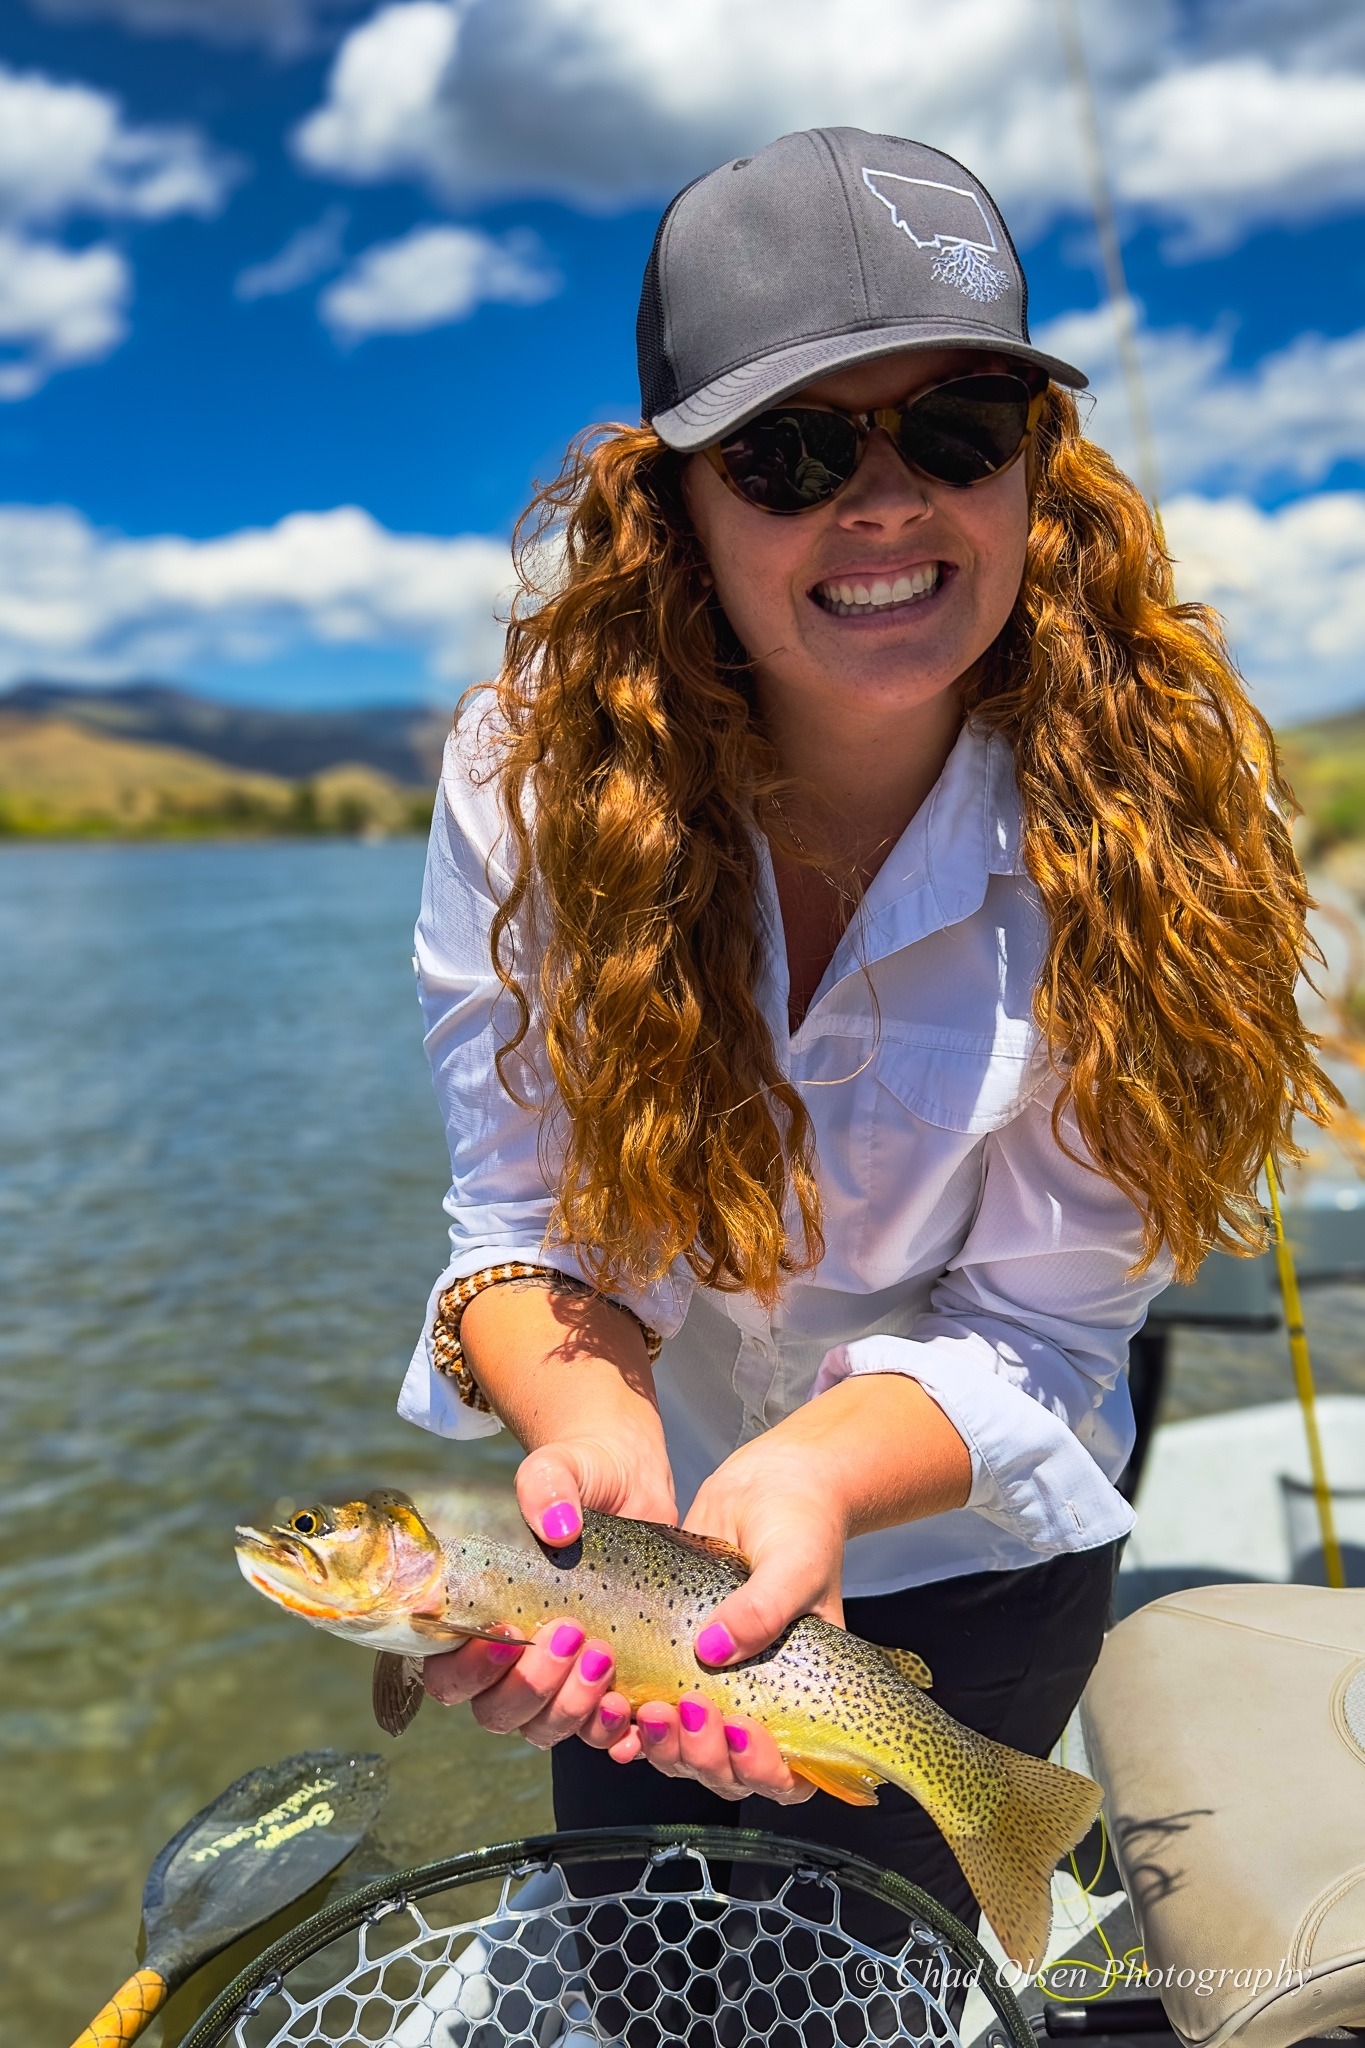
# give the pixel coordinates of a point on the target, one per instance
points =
(658, 387)
(658, 382)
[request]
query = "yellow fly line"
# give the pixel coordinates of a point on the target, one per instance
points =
(1303, 1385)
(1130, 361)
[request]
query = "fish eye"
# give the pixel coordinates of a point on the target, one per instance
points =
(305, 1523)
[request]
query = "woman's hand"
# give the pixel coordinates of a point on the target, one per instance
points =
(620, 1470)
(780, 1504)
(871, 1452)
(868, 1454)
(570, 1376)
(556, 1685)
(770, 1501)
(690, 1738)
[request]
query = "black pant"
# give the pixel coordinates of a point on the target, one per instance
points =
(1010, 1653)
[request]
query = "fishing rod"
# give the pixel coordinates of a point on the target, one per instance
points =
(1144, 441)
(1111, 252)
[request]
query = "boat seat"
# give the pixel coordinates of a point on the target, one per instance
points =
(1227, 1728)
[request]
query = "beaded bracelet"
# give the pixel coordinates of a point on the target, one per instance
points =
(447, 1350)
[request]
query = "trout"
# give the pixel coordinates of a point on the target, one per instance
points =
(846, 1714)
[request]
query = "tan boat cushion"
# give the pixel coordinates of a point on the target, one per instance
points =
(1227, 1727)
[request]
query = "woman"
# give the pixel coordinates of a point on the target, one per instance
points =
(858, 953)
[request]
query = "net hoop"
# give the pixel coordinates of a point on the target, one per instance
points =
(934, 1940)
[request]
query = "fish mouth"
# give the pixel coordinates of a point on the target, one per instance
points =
(275, 1563)
(279, 1546)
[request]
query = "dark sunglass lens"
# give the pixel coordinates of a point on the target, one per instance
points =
(967, 430)
(789, 459)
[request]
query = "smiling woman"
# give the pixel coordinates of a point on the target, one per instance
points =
(858, 953)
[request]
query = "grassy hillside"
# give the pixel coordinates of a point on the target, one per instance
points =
(62, 779)
(403, 741)
(73, 775)
(1326, 765)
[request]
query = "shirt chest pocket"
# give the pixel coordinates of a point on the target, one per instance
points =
(900, 1131)
(955, 1082)
(935, 1099)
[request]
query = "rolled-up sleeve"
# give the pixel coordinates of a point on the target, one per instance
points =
(502, 1155)
(1026, 1338)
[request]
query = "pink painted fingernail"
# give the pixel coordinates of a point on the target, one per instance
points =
(653, 1731)
(567, 1640)
(561, 1523)
(595, 1664)
(738, 1738)
(693, 1716)
(609, 1716)
(504, 1653)
(715, 1644)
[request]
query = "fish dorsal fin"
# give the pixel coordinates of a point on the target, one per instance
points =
(907, 1665)
(853, 1783)
(396, 1691)
(713, 1547)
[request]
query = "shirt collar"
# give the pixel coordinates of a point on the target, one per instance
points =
(968, 828)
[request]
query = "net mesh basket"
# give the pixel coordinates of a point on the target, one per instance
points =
(715, 1939)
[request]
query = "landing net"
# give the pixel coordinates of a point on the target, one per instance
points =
(715, 1939)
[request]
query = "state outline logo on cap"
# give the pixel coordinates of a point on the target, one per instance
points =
(961, 259)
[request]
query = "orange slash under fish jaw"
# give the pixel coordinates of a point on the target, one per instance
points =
(284, 1596)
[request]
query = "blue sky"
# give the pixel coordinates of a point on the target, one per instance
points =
(297, 297)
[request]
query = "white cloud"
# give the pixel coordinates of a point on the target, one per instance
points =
(607, 101)
(382, 116)
(284, 26)
(1280, 424)
(310, 252)
(1322, 33)
(67, 148)
(1220, 144)
(87, 603)
(432, 276)
(1292, 585)
(58, 307)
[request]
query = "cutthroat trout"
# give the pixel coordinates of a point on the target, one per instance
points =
(845, 1714)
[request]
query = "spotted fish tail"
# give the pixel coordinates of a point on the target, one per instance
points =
(1009, 1863)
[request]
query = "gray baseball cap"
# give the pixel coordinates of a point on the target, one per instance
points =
(829, 247)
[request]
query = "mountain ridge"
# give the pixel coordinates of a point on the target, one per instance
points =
(60, 779)
(400, 741)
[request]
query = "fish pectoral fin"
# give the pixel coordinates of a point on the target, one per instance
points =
(444, 1634)
(711, 1546)
(396, 1691)
(908, 1665)
(435, 1629)
(852, 1783)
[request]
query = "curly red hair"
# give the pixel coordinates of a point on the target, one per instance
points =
(1154, 829)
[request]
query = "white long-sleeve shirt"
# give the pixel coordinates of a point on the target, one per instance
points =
(963, 1247)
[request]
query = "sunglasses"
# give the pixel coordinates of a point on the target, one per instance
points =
(961, 432)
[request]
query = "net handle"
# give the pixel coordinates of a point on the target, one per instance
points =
(129, 2012)
(605, 1845)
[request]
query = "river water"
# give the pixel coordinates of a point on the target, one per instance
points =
(221, 1171)
(220, 1182)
